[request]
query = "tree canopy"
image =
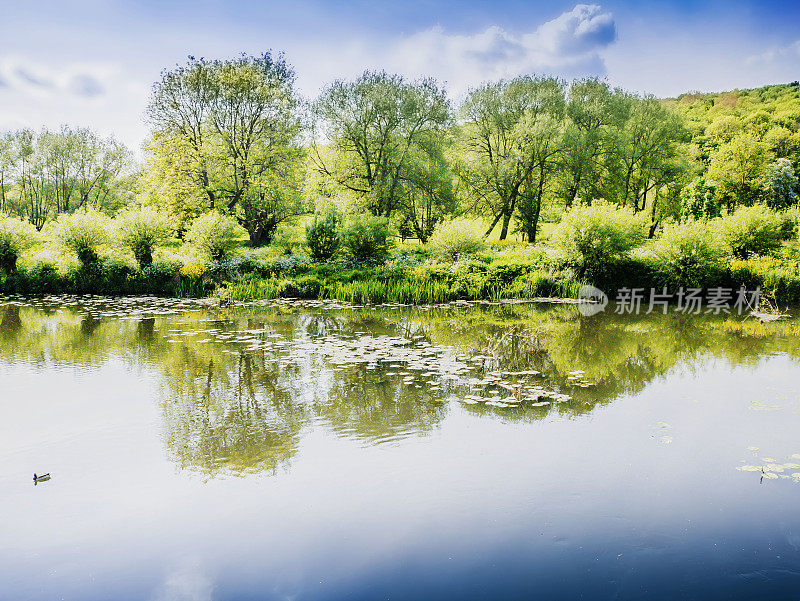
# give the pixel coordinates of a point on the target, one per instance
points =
(226, 136)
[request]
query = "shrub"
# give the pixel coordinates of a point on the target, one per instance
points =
(751, 230)
(162, 276)
(82, 232)
(688, 254)
(141, 230)
(322, 235)
(285, 239)
(15, 236)
(367, 238)
(288, 265)
(790, 223)
(214, 234)
(590, 237)
(457, 237)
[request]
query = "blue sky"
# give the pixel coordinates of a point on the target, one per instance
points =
(92, 62)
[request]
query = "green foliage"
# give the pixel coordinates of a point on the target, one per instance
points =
(322, 235)
(751, 230)
(367, 238)
(15, 236)
(214, 234)
(83, 233)
(456, 237)
(509, 143)
(781, 185)
(737, 169)
(790, 224)
(285, 239)
(141, 230)
(385, 150)
(226, 136)
(590, 237)
(689, 253)
(46, 173)
(698, 201)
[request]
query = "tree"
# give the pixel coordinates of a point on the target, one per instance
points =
(544, 142)
(428, 194)
(46, 174)
(737, 170)
(141, 229)
(385, 146)
(509, 143)
(698, 201)
(229, 131)
(781, 184)
(646, 152)
(594, 112)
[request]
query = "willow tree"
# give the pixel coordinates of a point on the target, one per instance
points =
(509, 138)
(647, 152)
(46, 173)
(379, 139)
(595, 112)
(236, 126)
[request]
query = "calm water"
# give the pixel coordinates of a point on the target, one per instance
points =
(322, 452)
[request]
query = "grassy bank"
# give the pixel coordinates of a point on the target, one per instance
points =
(600, 245)
(408, 278)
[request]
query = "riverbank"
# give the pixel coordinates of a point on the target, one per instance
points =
(408, 278)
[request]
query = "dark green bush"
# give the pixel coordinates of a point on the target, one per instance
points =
(367, 238)
(322, 235)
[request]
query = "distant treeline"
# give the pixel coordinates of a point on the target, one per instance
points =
(235, 137)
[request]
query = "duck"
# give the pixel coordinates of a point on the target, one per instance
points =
(41, 478)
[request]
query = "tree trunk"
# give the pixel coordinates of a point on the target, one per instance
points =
(494, 224)
(507, 217)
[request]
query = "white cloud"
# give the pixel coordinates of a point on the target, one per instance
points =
(111, 96)
(568, 46)
(788, 54)
(96, 94)
(83, 80)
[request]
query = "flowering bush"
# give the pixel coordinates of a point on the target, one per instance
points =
(751, 230)
(688, 253)
(590, 237)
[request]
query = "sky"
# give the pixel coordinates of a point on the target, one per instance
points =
(92, 63)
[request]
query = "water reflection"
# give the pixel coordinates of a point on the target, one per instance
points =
(240, 387)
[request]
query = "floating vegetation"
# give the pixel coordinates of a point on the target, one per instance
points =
(771, 469)
(759, 406)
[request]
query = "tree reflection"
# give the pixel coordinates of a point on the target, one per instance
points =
(239, 388)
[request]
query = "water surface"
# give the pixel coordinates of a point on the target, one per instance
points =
(318, 451)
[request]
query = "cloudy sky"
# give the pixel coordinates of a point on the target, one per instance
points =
(92, 62)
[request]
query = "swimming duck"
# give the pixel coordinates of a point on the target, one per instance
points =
(42, 478)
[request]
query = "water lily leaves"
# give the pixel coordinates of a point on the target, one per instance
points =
(759, 406)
